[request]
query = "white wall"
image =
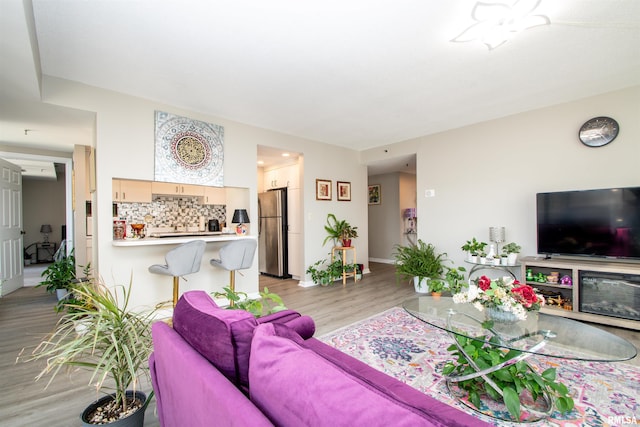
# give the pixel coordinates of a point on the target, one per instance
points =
(488, 174)
(125, 149)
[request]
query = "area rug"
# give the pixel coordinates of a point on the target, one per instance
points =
(605, 394)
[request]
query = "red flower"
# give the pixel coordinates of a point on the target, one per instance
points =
(525, 295)
(484, 283)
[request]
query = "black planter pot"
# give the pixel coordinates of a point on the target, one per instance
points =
(134, 420)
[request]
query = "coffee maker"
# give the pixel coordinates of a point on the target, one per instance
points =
(214, 225)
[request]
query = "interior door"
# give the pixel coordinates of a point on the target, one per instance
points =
(11, 262)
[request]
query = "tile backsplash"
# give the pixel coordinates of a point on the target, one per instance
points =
(171, 212)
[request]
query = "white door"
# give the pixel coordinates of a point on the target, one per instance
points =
(11, 262)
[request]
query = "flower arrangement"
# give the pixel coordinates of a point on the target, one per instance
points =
(505, 294)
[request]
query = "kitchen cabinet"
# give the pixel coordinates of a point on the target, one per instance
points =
(214, 196)
(285, 176)
(173, 189)
(125, 190)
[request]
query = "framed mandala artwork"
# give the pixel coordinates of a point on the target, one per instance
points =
(188, 151)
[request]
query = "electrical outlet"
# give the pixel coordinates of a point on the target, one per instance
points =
(429, 193)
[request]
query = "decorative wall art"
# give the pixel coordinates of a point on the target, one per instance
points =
(375, 194)
(188, 151)
(344, 191)
(323, 189)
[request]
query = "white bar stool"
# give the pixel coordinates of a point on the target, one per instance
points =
(180, 261)
(237, 255)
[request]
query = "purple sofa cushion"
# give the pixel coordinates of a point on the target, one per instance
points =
(223, 336)
(312, 390)
(190, 392)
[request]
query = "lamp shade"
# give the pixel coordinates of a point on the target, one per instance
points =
(45, 228)
(240, 216)
(410, 213)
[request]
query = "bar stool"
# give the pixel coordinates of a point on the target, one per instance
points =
(180, 261)
(237, 255)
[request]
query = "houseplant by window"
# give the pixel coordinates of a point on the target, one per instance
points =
(420, 262)
(340, 231)
(113, 342)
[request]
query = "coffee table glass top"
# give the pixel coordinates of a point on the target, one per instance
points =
(565, 338)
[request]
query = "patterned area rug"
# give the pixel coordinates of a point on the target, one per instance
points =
(605, 394)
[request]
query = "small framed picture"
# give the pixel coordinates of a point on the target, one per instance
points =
(375, 195)
(344, 191)
(323, 189)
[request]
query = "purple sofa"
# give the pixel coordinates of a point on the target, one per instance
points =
(219, 367)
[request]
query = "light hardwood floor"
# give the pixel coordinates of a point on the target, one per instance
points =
(27, 315)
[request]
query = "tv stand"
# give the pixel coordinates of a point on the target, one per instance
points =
(573, 299)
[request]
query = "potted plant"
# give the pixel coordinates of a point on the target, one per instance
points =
(340, 231)
(268, 302)
(455, 279)
(114, 343)
(59, 275)
(436, 286)
(473, 248)
(511, 250)
(327, 275)
(420, 262)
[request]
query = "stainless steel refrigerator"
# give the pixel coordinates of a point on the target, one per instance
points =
(272, 233)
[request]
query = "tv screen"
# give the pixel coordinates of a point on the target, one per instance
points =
(597, 223)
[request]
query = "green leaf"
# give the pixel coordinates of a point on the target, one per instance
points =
(564, 404)
(549, 374)
(512, 401)
(474, 397)
(503, 375)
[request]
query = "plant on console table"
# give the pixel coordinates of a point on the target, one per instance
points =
(474, 249)
(511, 250)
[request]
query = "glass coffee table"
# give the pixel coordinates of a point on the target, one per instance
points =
(539, 335)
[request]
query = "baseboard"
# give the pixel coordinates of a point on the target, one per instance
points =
(382, 260)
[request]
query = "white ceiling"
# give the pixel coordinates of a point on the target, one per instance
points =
(357, 73)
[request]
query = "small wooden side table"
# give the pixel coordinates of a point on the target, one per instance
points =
(46, 248)
(343, 252)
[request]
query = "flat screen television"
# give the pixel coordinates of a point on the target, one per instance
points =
(593, 223)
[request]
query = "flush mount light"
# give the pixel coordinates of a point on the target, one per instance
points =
(496, 23)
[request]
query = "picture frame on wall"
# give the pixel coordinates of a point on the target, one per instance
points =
(375, 194)
(343, 191)
(323, 189)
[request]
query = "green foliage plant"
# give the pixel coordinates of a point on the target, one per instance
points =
(474, 247)
(455, 279)
(323, 273)
(268, 302)
(338, 230)
(513, 380)
(59, 274)
(103, 335)
(511, 248)
(420, 260)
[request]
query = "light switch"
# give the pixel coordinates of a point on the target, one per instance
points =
(430, 193)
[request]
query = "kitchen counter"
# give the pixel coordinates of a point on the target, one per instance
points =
(179, 239)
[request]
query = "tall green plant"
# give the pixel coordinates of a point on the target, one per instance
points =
(100, 333)
(420, 260)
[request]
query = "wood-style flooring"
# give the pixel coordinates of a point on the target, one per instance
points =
(27, 315)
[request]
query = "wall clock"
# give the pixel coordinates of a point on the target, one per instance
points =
(598, 131)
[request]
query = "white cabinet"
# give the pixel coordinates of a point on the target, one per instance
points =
(173, 189)
(125, 190)
(295, 251)
(214, 196)
(286, 176)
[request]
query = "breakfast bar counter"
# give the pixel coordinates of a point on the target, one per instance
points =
(179, 239)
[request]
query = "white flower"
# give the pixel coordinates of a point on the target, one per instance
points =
(478, 305)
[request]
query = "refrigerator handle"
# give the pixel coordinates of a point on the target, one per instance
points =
(259, 217)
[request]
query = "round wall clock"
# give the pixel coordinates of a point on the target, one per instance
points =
(598, 131)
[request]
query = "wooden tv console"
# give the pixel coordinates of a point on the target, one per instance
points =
(565, 299)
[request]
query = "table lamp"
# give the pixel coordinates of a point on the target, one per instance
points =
(240, 217)
(45, 229)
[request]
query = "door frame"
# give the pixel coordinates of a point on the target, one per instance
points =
(68, 186)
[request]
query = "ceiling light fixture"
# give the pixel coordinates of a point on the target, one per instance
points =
(496, 23)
